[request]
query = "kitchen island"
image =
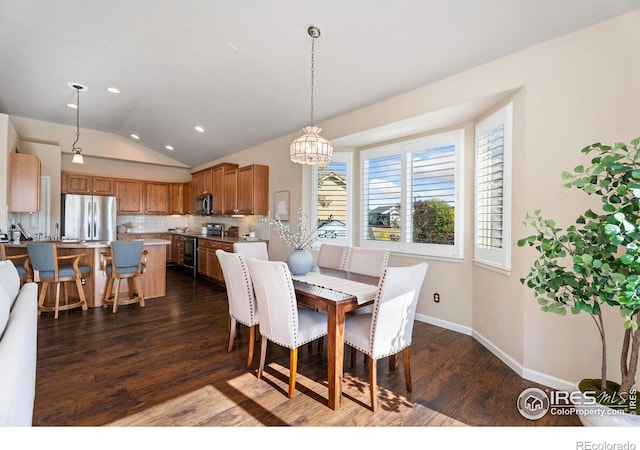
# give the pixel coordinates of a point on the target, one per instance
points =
(154, 278)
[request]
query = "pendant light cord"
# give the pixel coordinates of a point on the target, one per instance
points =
(313, 41)
(77, 122)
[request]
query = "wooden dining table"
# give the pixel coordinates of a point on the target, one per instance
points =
(336, 304)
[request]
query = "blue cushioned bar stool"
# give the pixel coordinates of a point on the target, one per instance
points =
(125, 261)
(21, 262)
(49, 268)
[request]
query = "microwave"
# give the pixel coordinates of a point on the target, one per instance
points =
(204, 204)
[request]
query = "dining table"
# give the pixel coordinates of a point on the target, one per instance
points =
(336, 292)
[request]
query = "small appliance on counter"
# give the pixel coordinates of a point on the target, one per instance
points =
(232, 232)
(215, 229)
(4, 237)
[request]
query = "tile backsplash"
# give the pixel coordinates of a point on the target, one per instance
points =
(157, 224)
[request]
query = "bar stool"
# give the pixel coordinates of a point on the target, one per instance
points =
(21, 262)
(126, 260)
(49, 268)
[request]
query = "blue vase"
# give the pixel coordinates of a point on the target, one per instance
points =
(300, 262)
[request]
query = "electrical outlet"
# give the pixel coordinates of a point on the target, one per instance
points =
(436, 297)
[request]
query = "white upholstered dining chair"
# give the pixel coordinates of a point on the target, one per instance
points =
(242, 302)
(282, 322)
(388, 329)
(367, 261)
(252, 249)
(333, 256)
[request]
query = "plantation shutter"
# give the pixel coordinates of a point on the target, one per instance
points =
(382, 198)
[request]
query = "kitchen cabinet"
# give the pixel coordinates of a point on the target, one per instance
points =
(177, 249)
(249, 192)
(218, 186)
(176, 203)
(230, 192)
(187, 201)
(156, 198)
(24, 183)
(208, 264)
(129, 196)
(73, 183)
(197, 183)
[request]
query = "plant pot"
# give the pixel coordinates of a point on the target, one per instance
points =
(593, 414)
(300, 262)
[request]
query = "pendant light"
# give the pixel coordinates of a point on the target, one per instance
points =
(311, 148)
(77, 151)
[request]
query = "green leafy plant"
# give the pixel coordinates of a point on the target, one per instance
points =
(596, 261)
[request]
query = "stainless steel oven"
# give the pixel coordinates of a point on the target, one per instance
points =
(190, 259)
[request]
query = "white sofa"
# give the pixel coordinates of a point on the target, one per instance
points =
(18, 345)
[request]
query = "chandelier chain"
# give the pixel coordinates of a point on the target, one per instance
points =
(77, 120)
(313, 41)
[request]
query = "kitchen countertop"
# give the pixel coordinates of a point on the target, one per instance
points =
(89, 244)
(199, 236)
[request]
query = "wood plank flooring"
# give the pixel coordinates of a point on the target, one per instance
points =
(95, 367)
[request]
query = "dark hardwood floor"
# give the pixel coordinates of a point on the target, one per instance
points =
(95, 367)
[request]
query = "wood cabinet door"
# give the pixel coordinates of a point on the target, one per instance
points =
(253, 190)
(230, 191)
(214, 270)
(207, 181)
(203, 258)
(24, 183)
(129, 196)
(77, 184)
(103, 186)
(197, 184)
(177, 202)
(218, 186)
(156, 197)
(187, 200)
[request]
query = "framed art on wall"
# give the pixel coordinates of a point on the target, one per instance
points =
(281, 205)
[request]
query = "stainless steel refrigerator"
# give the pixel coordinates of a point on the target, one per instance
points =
(89, 217)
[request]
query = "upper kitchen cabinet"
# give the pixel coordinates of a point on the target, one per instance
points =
(74, 183)
(156, 197)
(187, 199)
(177, 202)
(129, 196)
(218, 186)
(247, 191)
(24, 183)
(197, 183)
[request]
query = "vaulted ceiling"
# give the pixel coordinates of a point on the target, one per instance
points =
(240, 69)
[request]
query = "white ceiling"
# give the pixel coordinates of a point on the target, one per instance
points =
(241, 68)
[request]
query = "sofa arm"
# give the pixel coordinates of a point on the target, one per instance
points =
(18, 356)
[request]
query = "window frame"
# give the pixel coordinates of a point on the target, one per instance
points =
(346, 157)
(404, 149)
(498, 260)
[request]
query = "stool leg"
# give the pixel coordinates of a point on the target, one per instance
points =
(107, 292)
(44, 287)
(57, 305)
(140, 294)
(83, 299)
(115, 296)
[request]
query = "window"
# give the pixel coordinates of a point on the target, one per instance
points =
(493, 190)
(411, 196)
(332, 192)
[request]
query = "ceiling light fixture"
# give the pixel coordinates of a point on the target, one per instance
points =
(113, 90)
(311, 148)
(77, 151)
(199, 129)
(169, 147)
(135, 136)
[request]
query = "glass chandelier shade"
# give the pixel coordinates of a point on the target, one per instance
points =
(311, 148)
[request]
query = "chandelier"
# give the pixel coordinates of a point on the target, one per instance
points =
(77, 151)
(311, 148)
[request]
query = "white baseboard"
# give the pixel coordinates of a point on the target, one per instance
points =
(527, 374)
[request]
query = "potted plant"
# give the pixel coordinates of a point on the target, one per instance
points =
(594, 265)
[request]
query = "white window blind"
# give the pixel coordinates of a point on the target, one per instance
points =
(493, 186)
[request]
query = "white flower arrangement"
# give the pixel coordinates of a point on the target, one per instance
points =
(303, 239)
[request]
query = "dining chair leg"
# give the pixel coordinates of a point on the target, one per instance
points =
(293, 370)
(140, 293)
(56, 307)
(83, 299)
(233, 331)
(107, 292)
(407, 368)
(252, 338)
(373, 383)
(115, 296)
(44, 287)
(263, 354)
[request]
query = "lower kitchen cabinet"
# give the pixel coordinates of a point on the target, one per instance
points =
(208, 264)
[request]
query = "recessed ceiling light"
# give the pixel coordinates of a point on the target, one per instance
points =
(199, 129)
(72, 105)
(168, 147)
(113, 90)
(135, 136)
(232, 46)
